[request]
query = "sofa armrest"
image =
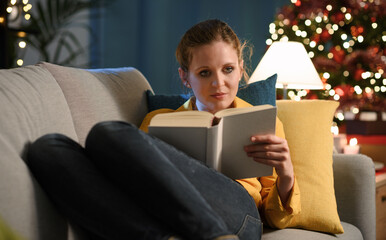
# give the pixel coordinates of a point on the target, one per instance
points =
(354, 180)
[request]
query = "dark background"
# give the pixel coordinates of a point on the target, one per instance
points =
(144, 33)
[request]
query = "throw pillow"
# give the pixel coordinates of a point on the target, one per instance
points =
(307, 127)
(256, 93)
(260, 92)
(159, 101)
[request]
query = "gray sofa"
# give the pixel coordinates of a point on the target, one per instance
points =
(46, 98)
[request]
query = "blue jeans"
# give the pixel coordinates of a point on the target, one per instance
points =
(126, 184)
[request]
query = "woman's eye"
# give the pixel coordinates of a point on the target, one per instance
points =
(228, 69)
(204, 73)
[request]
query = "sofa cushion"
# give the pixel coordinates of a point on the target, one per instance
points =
(32, 104)
(101, 95)
(307, 127)
(256, 93)
(350, 233)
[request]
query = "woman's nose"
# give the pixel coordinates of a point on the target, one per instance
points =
(218, 79)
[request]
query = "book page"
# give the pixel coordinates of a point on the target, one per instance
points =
(237, 131)
(234, 111)
(183, 119)
(214, 146)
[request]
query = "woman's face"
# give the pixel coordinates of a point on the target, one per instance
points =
(214, 74)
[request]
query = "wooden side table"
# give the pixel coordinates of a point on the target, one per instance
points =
(380, 180)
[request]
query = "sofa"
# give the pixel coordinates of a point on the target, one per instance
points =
(46, 98)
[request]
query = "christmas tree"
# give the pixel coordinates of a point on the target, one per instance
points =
(345, 40)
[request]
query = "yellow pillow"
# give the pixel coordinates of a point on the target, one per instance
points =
(307, 127)
(6, 232)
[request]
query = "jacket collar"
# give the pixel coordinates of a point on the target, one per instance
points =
(188, 105)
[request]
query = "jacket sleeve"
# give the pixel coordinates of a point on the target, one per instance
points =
(267, 199)
(273, 211)
(146, 121)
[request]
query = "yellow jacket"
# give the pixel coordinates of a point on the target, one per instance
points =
(262, 189)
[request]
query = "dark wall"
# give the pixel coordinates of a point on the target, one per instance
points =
(144, 33)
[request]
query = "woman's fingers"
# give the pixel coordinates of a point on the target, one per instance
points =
(269, 149)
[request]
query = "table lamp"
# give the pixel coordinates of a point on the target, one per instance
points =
(292, 64)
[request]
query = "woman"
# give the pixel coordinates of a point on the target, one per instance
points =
(127, 184)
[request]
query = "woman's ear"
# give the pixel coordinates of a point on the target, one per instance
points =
(183, 77)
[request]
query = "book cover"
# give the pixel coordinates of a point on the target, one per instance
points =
(220, 146)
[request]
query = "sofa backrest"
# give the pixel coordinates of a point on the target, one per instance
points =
(47, 98)
(32, 104)
(101, 95)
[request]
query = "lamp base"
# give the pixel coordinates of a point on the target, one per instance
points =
(285, 91)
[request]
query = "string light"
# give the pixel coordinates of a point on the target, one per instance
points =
(20, 62)
(272, 28)
(358, 90)
(340, 116)
(22, 44)
(19, 11)
(355, 110)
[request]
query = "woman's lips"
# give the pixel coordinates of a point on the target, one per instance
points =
(219, 96)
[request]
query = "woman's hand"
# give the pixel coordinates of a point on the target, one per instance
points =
(273, 151)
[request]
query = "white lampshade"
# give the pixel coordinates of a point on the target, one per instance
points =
(292, 64)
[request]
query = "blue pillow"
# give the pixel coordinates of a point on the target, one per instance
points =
(256, 93)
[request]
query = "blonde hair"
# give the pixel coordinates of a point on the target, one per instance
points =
(204, 33)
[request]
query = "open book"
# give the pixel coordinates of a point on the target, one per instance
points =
(218, 140)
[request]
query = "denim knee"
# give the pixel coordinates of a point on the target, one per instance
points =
(252, 228)
(107, 129)
(47, 143)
